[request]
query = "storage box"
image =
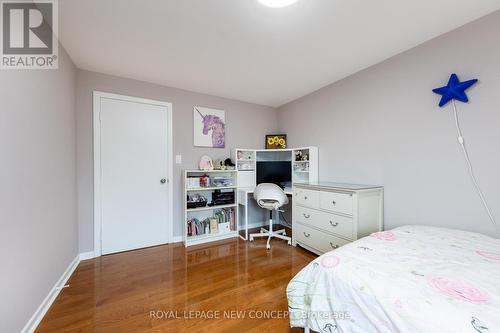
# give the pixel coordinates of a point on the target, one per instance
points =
(193, 182)
(224, 228)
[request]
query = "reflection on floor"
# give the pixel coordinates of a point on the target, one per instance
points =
(229, 286)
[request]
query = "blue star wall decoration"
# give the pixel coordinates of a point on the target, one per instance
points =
(454, 90)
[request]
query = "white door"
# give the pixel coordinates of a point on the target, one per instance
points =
(133, 174)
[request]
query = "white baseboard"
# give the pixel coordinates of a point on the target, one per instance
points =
(260, 224)
(255, 225)
(87, 255)
(92, 254)
(177, 239)
(50, 298)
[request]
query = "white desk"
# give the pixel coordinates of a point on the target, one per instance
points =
(243, 199)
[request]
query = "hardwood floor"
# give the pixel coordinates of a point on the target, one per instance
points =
(160, 289)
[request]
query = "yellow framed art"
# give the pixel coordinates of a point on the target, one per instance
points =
(276, 141)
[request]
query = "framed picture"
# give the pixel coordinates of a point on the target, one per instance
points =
(209, 127)
(276, 141)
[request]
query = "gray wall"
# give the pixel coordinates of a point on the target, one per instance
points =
(383, 126)
(247, 125)
(38, 237)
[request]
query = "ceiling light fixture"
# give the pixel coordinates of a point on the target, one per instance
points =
(277, 3)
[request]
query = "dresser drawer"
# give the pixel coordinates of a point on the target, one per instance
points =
(340, 225)
(336, 202)
(307, 198)
(316, 239)
(329, 222)
(306, 215)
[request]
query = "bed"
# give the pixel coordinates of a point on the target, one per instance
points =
(409, 279)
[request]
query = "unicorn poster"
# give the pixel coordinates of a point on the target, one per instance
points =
(209, 127)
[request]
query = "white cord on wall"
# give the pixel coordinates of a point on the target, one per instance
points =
(461, 141)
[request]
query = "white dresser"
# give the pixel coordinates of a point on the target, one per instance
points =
(329, 215)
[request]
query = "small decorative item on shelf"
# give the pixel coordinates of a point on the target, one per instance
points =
(220, 165)
(298, 155)
(244, 155)
(305, 157)
(205, 181)
(206, 163)
(229, 164)
(276, 141)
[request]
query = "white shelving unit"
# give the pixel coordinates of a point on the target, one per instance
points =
(304, 170)
(245, 165)
(245, 159)
(202, 213)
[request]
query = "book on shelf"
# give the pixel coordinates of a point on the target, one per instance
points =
(222, 221)
(214, 226)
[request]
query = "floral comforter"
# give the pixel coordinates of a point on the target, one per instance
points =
(410, 279)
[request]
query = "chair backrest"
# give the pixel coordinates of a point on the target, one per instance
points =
(270, 196)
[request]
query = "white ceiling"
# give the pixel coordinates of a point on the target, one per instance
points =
(242, 50)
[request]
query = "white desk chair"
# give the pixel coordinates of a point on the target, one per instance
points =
(271, 197)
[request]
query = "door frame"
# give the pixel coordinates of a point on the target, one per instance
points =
(97, 95)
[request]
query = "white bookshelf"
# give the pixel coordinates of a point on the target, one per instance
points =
(208, 211)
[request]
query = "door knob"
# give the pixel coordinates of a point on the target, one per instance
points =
(163, 180)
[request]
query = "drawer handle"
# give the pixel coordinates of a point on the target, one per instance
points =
(307, 235)
(334, 224)
(334, 203)
(334, 246)
(305, 197)
(306, 215)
